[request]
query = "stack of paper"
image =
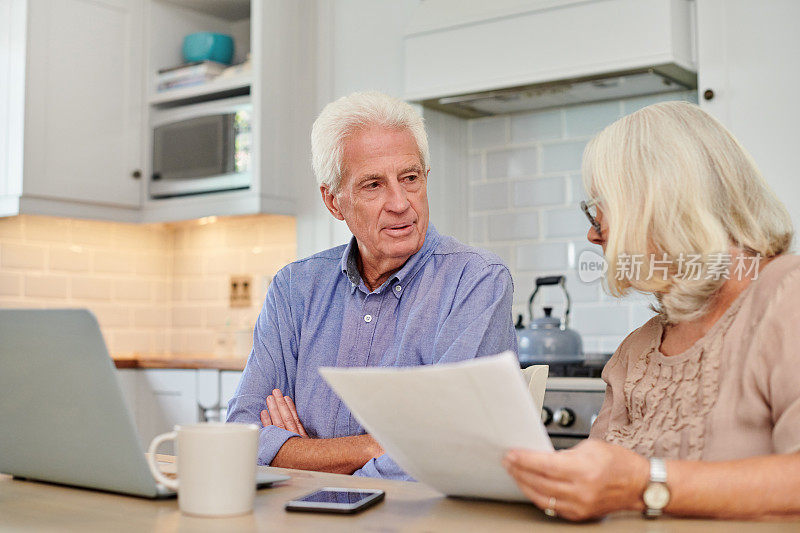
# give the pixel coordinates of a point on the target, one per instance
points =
(448, 425)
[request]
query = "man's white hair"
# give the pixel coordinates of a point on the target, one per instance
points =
(352, 113)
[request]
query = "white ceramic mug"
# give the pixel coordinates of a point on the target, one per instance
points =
(216, 465)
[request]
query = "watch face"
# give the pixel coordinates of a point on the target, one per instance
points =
(656, 496)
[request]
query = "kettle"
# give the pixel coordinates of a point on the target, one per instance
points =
(548, 340)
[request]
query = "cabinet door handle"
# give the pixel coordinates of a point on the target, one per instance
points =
(136, 174)
(708, 94)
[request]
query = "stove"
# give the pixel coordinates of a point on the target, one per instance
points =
(572, 399)
(570, 408)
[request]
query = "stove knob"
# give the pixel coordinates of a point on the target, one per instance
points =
(547, 415)
(564, 417)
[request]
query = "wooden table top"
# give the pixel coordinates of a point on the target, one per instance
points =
(27, 505)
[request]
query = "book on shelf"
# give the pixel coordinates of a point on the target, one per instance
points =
(190, 71)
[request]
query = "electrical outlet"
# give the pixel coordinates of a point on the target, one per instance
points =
(241, 290)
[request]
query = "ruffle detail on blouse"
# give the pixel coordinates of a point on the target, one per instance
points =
(668, 400)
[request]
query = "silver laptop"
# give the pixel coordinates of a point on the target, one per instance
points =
(63, 418)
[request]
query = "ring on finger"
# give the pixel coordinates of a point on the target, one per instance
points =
(551, 507)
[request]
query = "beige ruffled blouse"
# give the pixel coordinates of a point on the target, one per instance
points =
(735, 393)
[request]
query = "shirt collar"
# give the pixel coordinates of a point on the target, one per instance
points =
(406, 272)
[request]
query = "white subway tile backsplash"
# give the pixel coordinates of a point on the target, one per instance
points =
(534, 214)
(91, 288)
(112, 315)
(640, 313)
(593, 319)
(568, 222)
(187, 263)
(539, 191)
(113, 261)
(187, 316)
(218, 316)
(10, 284)
(132, 341)
(22, 256)
(11, 228)
(477, 228)
(512, 163)
(577, 193)
(580, 291)
(89, 232)
(156, 264)
(162, 290)
(536, 126)
(206, 289)
(562, 157)
(227, 262)
(543, 257)
(45, 286)
(513, 226)
(132, 289)
(609, 344)
(474, 168)
(48, 229)
(198, 341)
(584, 120)
(488, 132)
(155, 316)
(489, 196)
(75, 258)
(503, 251)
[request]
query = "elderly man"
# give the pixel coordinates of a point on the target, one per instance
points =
(399, 294)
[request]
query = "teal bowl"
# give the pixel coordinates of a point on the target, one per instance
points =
(206, 46)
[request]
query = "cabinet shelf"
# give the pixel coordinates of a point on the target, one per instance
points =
(220, 87)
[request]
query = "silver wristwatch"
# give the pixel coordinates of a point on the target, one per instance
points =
(656, 495)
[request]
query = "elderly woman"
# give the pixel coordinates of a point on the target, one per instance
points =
(702, 408)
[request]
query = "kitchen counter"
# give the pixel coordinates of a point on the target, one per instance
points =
(27, 505)
(179, 361)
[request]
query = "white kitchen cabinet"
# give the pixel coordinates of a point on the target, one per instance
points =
(72, 100)
(281, 38)
(76, 96)
(229, 381)
(165, 398)
(748, 57)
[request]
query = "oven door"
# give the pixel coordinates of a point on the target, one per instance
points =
(202, 148)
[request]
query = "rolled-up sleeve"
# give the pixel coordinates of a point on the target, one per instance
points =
(384, 467)
(272, 364)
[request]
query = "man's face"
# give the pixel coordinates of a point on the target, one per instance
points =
(383, 197)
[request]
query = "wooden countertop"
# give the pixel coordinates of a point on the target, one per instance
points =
(179, 361)
(28, 505)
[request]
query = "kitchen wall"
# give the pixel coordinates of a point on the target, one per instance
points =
(155, 288)
(525, 187)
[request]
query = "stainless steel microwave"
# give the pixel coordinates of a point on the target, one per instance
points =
(202, 148)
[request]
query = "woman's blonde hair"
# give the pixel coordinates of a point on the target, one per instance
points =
(674, 184)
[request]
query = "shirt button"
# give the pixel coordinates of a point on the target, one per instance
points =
(398, 288)
(367, 318)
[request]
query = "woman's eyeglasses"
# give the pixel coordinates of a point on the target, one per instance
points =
(590, 210)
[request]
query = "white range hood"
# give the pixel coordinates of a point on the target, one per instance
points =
(473, 58)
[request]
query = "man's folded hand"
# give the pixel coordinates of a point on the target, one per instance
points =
(281, 412)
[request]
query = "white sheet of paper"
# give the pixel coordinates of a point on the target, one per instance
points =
(448, 425)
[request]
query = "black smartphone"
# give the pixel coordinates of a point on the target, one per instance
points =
(336, 500)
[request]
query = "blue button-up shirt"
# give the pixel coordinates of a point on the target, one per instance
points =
(449, 302)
